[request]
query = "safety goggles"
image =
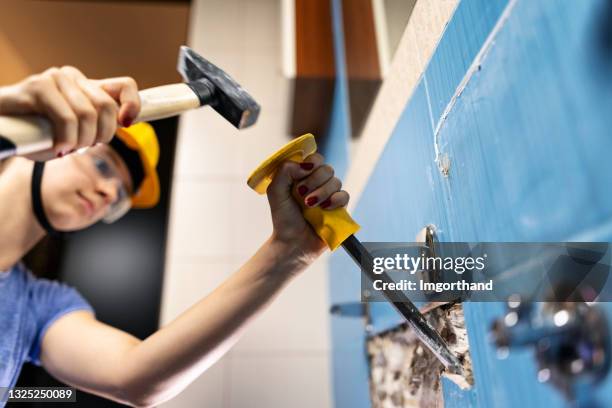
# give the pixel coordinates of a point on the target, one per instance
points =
(107, 170)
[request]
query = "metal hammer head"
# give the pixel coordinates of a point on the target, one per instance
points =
(222, 93)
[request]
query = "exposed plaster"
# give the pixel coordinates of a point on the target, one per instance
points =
(406, 374)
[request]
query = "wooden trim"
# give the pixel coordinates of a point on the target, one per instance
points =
(312, 105)
(313, 86)
(314, 39)
(361, 50)
(362, 60)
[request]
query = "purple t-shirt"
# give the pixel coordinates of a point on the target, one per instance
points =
(28, 307)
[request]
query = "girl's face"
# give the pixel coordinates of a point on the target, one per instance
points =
(79, 190)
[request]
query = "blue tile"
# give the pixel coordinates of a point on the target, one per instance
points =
(529, 147)
(463, 38)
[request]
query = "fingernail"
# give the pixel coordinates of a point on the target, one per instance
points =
(127, 122)
(326, 203)
(60, 154)
(302, 190)
(311, 201)
(307, 166)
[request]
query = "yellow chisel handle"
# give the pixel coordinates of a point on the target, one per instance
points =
(332, 226)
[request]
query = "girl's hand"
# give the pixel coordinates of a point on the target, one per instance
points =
(315, 184)
(83, 111)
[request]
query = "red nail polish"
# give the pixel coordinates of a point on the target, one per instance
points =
(326, 203)
(302, 190)
(127, 122)
(60, 153)
(311, 201)
(307, 166)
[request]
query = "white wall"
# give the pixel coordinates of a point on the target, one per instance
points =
(217, 222)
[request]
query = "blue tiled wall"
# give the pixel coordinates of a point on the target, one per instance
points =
(529, 144)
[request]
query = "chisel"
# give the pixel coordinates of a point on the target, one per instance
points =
(336, 227)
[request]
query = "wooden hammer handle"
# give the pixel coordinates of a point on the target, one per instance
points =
(166, 101)
(26, 134)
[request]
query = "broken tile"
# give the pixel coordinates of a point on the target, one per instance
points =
(403, 373)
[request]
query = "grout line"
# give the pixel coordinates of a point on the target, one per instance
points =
(429, 109)
(475, 67)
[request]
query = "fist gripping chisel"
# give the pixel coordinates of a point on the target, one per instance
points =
(336, 227)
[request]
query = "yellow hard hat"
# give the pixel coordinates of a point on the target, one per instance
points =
(141, 137)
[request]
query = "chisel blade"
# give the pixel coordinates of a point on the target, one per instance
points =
(415, 319)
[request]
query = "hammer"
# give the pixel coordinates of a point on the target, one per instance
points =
(205, 84)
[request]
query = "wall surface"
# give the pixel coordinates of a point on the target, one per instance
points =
(217, 222)
(505, 138)
(102, 38)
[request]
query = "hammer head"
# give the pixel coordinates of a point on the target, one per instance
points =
(226, 96)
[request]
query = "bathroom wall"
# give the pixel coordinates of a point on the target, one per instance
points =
(505, 137)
